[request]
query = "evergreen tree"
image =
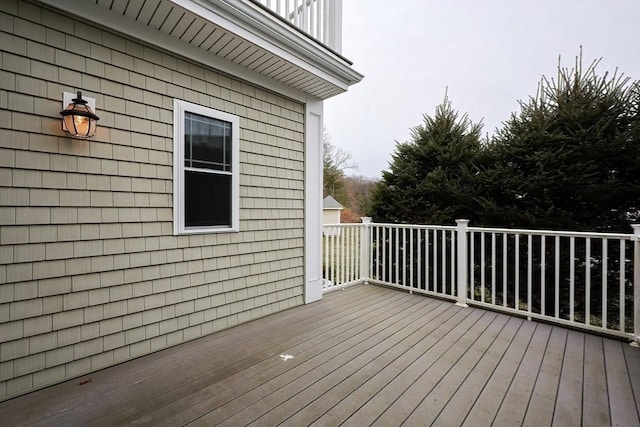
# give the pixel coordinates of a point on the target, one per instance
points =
(432, 178)
(571, 158)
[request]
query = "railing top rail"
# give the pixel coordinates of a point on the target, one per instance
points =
(414, 226)
(344, 224)
(620, 236)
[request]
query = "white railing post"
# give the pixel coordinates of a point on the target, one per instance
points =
(462, 261)
(365, 248)
(636, 285)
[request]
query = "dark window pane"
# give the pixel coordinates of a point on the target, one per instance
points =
(207, 199)
(207, 143)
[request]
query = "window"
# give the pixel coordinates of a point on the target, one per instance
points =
(206, 169)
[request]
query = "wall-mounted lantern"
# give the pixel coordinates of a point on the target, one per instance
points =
(78, 117)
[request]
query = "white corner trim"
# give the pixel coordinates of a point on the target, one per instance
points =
(313, 201)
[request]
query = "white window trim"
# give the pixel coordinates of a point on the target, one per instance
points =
(179, 108)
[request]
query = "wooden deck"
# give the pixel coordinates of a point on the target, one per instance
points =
(364, 356)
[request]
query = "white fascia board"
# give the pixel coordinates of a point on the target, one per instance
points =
(89, 11)
(256, 26)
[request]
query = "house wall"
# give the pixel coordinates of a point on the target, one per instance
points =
(331, 216)
(90, 272)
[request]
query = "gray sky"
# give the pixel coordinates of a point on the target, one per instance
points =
(489, 54)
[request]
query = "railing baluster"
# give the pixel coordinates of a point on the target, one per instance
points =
(355, 257)
(312, 19)
(334, 268)
(622, 283)
(341, 260)
(329, 259)
(404, 257)
(493, 268)
(453, 263)
(504, 269)
(444, 262)
(384, 254)
(482, 266)
(368, 271)
(357, 243)
(397, 257)
(435, 260)
(587, 281)
(344, 256)
(325, 21)
(572, 276)
(636, 284)
(516, 303)
(319, 9)
(419, 260)
(351, 257)
(529, 271)
(557, 277)
(426, 259)
(411, 258)
(605, 259)
(472, 263)
(543, 275)
(378, 253)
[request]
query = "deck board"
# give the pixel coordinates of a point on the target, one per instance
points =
(595, 411)
(442, 389)
(390, 394)
(486, 406)
(632, 359)
(385, 349)
(568, 405)
(352, 399)
(545, 391)
(458, 406)
(512, 411)
(293, 381)
(619, 386)
(366, 355)
(200, 400)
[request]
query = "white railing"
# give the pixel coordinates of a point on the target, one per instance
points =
(321, 19)
(585, 280)
(341, 255)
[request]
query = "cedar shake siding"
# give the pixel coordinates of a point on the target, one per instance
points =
(91, 273)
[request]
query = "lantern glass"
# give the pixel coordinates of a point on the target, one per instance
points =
(78, 125)
(79, 119)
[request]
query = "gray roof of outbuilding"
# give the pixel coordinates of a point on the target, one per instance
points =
(331, 203)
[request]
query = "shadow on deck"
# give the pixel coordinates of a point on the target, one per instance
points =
(366, 355)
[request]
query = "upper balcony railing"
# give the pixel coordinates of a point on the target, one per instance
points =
(584, 280)
(321, 19)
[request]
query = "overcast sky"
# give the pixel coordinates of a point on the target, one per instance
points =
(489, 54)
